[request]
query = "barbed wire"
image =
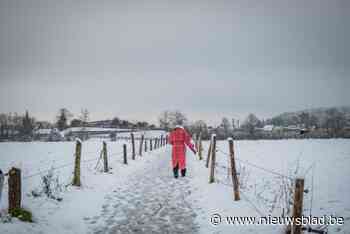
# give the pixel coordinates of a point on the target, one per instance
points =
(46, 170)
(253, 205)
(258, 167)
(26, 177)
(245, 197)
(62, 166)
(254, 165)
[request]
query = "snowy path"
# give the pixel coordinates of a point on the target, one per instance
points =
(152, 201)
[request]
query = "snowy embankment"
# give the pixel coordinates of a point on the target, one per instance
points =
(104, 198)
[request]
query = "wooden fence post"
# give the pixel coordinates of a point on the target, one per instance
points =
(76, 178)
(213, 162)
(133, 146)
(125, 154)
(150, 144)
(200, 146)
(298, 204)
(209, 154)
(141, 144)
(145, 145)
(161, 140)
(105, 159)
(14, 191)
(234, 171)
(196, 141)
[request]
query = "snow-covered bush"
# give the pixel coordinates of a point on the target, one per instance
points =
(243, 176)
(50, 186)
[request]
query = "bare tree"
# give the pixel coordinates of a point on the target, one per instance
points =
(62, 118)
(304, 118)
(169, 119)
(177, 118)
(3, 125)
(84, 118)
(27, 127)
(199, 127)
(164, 120)
(335, 120)
(225, 124)
(251, 123)
(233, 123)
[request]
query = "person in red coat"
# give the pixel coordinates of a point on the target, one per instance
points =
(179, 138)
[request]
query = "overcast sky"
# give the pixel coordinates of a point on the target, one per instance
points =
(210, 59)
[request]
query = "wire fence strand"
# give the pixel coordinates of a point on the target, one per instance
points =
(259, 167)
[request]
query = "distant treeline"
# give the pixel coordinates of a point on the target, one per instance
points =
(315, 123)
(17, 127)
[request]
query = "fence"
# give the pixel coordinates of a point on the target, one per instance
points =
(14, 182)
(291, 191)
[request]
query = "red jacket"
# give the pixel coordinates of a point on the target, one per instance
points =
(179, 138)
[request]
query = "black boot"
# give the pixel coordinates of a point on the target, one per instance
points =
(176, 171)
(183, 172)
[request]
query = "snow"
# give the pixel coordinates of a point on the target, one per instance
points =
(146, 186)
(330, 159)
(179, 126)
(146, 134)
(268, 128)
(78, 203)
(91, 129)
(43, 131)
(78, 140)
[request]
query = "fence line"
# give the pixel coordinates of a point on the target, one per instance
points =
(245, 197)
(66, 165)
(285, 199)
(54, 168)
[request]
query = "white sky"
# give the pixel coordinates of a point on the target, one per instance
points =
(210, 59)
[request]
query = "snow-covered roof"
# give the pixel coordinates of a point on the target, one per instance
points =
(43, 131)
(92, 129)
(292, 127)
(268, 127)
(179, 126)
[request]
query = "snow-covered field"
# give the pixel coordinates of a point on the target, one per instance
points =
(66, 216)
(326, 161)
(148, 181)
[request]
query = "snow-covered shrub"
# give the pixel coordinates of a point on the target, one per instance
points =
(243, 176)
(50, 186)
